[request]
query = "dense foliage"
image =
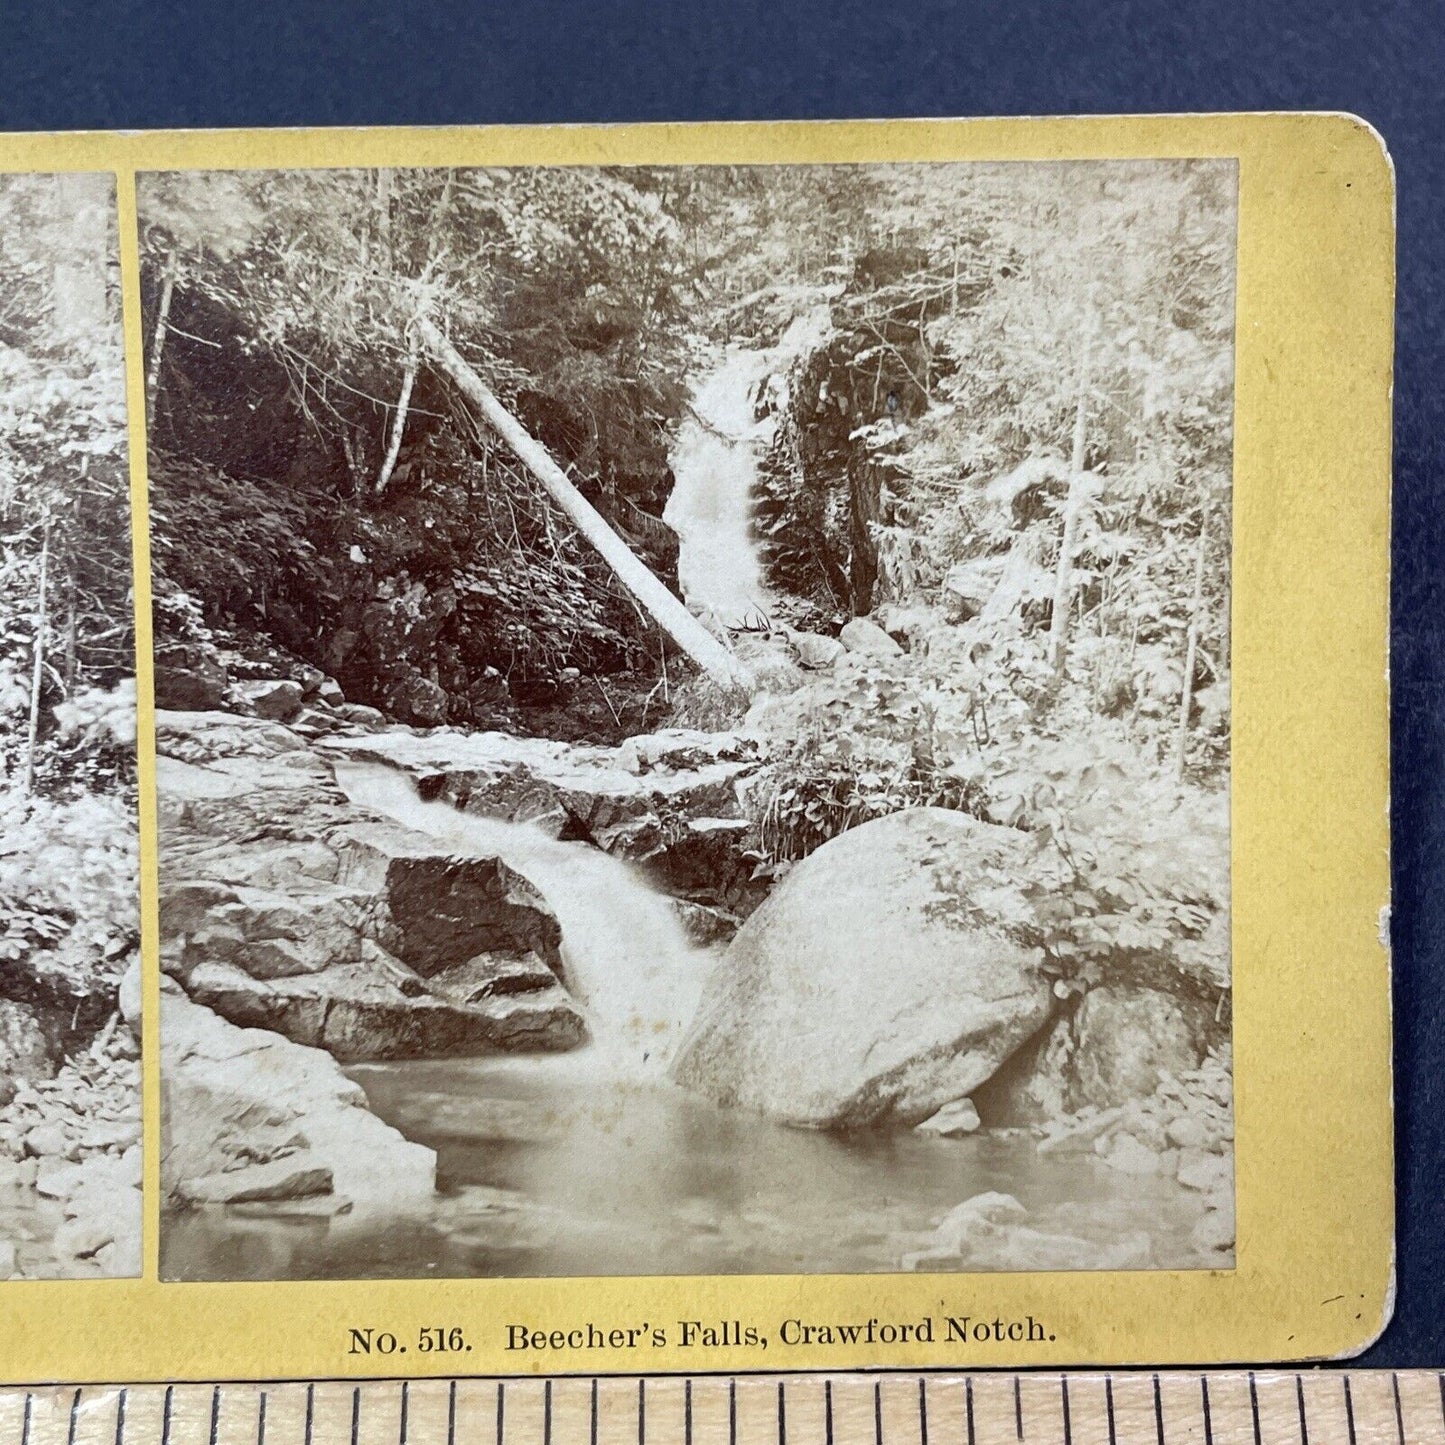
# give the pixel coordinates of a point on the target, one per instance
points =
(68, 891)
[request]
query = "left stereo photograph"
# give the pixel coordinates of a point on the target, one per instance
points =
(70, 1073)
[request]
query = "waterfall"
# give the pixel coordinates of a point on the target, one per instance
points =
(625, 955)
(715, 466)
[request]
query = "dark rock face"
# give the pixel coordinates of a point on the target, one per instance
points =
(286, 906)
(189, 676)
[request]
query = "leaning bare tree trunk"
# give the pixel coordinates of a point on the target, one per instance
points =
(398, 426)
(158, 340)
(37, 675)
(1073, 505)
(659, 603)
(1191, 648)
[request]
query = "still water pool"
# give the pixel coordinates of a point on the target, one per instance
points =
(553, 1166)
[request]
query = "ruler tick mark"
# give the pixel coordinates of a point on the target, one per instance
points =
(120, 1417)
(1254, 1406)
(1349, 1411)
(1109, 1407)
(1208, 1421)
(827, 1412)
(1018, 1410)
(502, 1411)
(641, 1412)
(452, 1414)
(547, 1413)
(355, 1415)
(687, 1413)
(968, 1408)
(405, 1399)
(1068, 1423)
(1399, 1416)
(732, 1412)
(1299, 1392)
(922, 1413)
(782, 1416)
(1158, 1411)
(166, 1417)
(25, 1423)
(260, 1421)
(592, 1436)
(75, 1411)
(877, 1413)
(310, 1410)
(216, 1417)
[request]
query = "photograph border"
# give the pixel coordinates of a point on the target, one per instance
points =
(1309, 824)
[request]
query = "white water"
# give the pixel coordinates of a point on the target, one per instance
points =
(715, 466)
(626, 957)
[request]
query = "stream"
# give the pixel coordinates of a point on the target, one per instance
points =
(594, 1162)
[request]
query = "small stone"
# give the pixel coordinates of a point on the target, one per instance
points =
(110, 1134)
(1214, 1231)
(866, 637)
(1187, 1132)
(277, 699)
(1167, 1163)
(8, 1261)
(82, 1238)
(1207, 1173)
(1130, 1156)
(55, 1179)
(47, 1141)
(952, 1121)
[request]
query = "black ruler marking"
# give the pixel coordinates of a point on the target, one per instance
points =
(827, 1412)
(547, 1413)
(592, 1436)
(75, 1412)
(687, 1413)
(1109, 1408)
(502, 1409)
(1349, 1412)
(25, 1423)
(216, 1416)
(968, 1408)
(120, 1417)
(166, 1416)
(1018, 1410)
(1299, 1391)
(732, 1413)
(1158, 1411)
(1254, 1406)
(877, 1412)
(355, 1415)
(260, 1421)
(310, 1409)
(1064, 1398)
(452, 1413)
(642, 1412)
(405, 1400)
(1399, 1416)
(782, 1417)
(922, 1413)
(1208, 1420)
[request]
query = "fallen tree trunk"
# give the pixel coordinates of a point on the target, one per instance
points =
(651, 595)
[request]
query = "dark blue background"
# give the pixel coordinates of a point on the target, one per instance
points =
(148, 63)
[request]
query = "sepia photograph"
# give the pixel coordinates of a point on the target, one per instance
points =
(692, 717)
(70, 1089)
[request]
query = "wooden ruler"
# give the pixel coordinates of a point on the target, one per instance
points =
(1227, 1407)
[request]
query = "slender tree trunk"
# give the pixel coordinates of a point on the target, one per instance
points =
(158, 339)
(37, 675)
(1073, 505)
(398, 425)
(651, 595)
(1191, 647)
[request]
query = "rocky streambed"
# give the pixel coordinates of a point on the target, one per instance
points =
(472, 1003)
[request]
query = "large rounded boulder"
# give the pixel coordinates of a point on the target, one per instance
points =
(884, 978)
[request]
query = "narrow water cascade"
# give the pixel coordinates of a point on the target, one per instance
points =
(715, 463)
(627, 959)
